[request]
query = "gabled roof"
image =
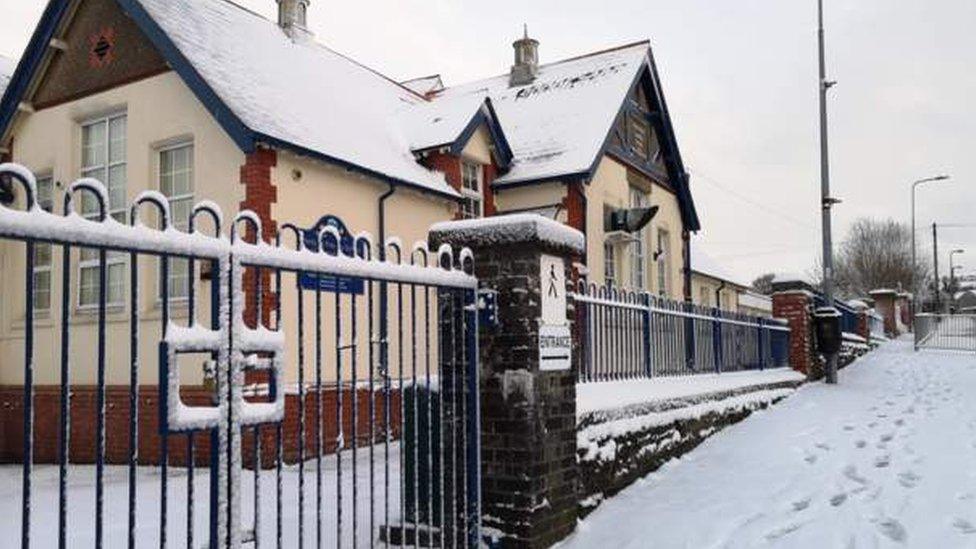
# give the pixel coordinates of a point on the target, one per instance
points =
(7, 67)
(558, 124)
(451, 123)
(294, 92)
(263, 87)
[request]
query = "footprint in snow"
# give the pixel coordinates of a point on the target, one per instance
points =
(783, 531)
(838, 499)
(887, 437)
(893, 530)
(899, 422)
(800, 505)
(908, 479)
(861, 443)
(851, 473)
(810, 458)
(964, 526)
(848, 427)
(882, 461)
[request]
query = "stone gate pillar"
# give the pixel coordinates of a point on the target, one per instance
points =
(528, 375)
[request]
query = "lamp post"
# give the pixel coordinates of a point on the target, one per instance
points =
(914, 252)
(826, 201)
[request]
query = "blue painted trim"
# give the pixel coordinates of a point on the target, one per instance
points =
(242, 136)
(279, 143)
(688, 210)
(486, 115)
(30, 61)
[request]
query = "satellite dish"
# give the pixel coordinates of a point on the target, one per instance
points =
(631, 220)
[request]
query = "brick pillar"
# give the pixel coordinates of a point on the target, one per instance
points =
(884, 303)
(796, 307)
(259, 194)
(528, 422)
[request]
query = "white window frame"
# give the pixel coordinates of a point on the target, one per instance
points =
(638, 249)
(112, 210)
(181, 224)
(472, 195)
(664, 262)
(609, 263)
(38, 268)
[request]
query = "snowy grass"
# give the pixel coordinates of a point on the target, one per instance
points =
(887, 458)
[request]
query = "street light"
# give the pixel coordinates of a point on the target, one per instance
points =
(914, 258)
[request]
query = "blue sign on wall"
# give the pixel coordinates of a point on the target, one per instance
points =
(327, 283)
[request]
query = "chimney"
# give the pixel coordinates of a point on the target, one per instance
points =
(291, 18)
(526, 65)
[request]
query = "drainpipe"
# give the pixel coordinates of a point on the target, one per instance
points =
(384, 294)
(718, 295)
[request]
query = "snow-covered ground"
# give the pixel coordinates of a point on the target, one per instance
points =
(887, 458)
(81, 503)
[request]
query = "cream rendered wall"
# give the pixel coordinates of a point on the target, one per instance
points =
(532, 196)
(478, 148)
(730, 294)
(610, 187)
(159, 110)
(327, 189)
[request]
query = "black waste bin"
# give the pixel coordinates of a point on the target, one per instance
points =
(827, 326)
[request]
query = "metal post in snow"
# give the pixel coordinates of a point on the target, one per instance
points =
(646, 332)
(935, 262)
(826, 201)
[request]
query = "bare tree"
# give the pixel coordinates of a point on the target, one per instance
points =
(763, 284)
(877, 254)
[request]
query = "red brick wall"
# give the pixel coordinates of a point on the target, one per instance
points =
(794, 307)
(259, 194)
(488, 194)
(47, 417)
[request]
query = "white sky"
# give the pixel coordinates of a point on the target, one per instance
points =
(741, 82)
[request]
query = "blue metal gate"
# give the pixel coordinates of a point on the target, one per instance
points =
(335, 403)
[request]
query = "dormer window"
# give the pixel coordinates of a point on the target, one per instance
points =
(471, 188)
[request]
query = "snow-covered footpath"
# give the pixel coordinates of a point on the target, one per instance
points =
(885, 459)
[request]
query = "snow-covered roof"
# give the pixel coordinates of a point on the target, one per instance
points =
(557, 125)
(295, 91)
(704, 264)
(759, 302)
(7, 67)
(428, 125)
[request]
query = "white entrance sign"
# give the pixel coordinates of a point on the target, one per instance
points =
(555, 347)
(552, 278)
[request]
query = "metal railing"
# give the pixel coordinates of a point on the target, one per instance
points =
(345, 369)
(945, 332)
(627, 334)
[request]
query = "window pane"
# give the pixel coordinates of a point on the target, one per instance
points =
(42, 255)
(42, 289)
(179, 277)
(116, 282)
(89, 204)
(88, 286)
(93, 145)
(117, 140)
(116, 187)
(180, 211)
(45, 191)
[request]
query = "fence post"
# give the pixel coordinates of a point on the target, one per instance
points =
(689, 323)
(528, 366)
(761, 349)
(717, 339)
(648, 363)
